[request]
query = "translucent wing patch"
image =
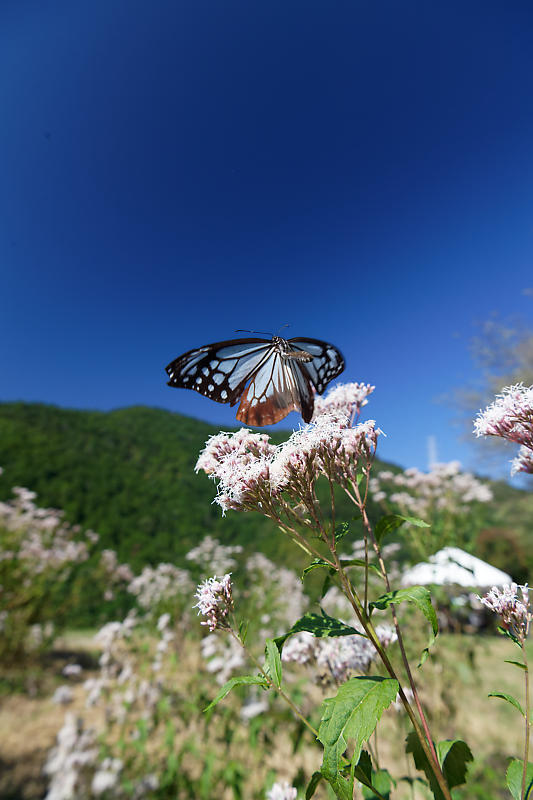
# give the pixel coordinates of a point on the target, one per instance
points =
(277, 388)
(327, 362)
(219, 371)
(270, 377)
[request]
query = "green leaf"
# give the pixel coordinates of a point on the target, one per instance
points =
(453, 755)
(390, 522)
(320, 625)
(381, 785)
(363, 769)
(418, 595)
(514, 779)
(359, 562)
(510, 635)
(352, 715)
(342, 530)
(510, 699)
(376, 784)
(316, 562)
(516, 663)
(243, 630)
(316, 777)
(273, 662)
(242, 680)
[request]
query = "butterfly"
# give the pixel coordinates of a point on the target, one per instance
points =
(270, 377)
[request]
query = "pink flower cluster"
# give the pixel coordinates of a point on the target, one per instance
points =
(510, 417)
(41, 538)
(345, 398)
(215, 601)
(443, 488)
(252, 473)
(336, 659)
(514, 611)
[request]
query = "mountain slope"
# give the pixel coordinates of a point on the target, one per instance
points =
(129, 474)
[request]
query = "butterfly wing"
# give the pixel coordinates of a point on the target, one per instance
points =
(278, 381)
(221, 370)
(278, 387)
(326, 364)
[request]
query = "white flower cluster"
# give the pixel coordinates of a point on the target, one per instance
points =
(510, 417)
(253, 473)
(282, 791)
(336, 658)
(276, 594)
(214, 557)
(159, 584)
(71, 764)
(345, 398)
(116, 574)
(42, 538)
(514, 611)
(223, 656)
(215, 601)
(443, 488)
(76, 773)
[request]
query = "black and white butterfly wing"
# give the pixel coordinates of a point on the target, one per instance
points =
(278, 387)
(327, 362)
(270, 377)
(219, 371)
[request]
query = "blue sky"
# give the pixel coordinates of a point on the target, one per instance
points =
(173, 171)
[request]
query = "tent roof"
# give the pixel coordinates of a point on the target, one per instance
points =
(451, 565)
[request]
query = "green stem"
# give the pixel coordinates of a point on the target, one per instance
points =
(528, 726)
(272, 685)
(368, 527)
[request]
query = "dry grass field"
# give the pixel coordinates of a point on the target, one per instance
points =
(455, 682)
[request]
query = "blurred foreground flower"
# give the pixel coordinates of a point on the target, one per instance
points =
(510, 416)
(282, 791)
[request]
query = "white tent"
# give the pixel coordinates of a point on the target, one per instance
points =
(453, 566)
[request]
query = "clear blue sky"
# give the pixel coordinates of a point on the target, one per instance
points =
(172, 171)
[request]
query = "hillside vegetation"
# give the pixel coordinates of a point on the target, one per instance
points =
(129, 474)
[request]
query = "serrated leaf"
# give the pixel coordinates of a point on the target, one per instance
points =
(316, 562)
(273, 662)
(390, 522)
(514, 775)
(510, 699)
(453, 755)
(316, 777)
(417, 595)
(352, 715)
(241, 680)
(320, 625)
(516, 663)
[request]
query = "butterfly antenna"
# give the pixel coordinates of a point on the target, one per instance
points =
(243, 330)
(287, 325)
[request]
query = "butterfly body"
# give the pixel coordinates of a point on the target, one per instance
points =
(270, 377)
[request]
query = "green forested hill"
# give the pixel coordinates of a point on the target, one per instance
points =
(129, 474)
